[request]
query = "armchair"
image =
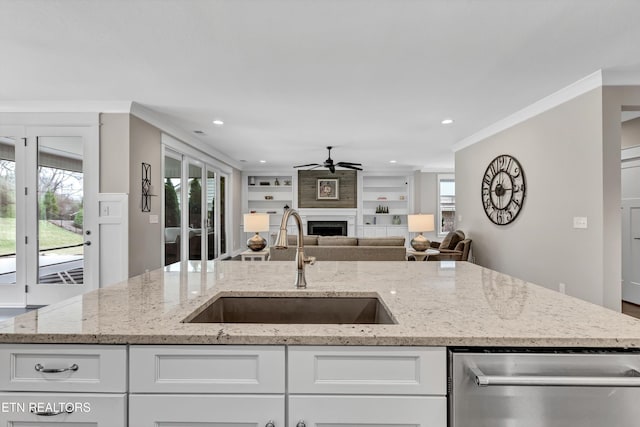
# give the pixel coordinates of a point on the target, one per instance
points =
(454, 247)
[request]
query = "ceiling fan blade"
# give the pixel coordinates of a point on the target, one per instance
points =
(332, 168)
(304, 166)
(315, 167)
(350, 167)
(348, 163)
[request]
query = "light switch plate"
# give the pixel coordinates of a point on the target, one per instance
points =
(579, 222)
(153, 219)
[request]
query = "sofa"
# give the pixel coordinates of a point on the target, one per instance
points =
(343, 248)
(454, 247)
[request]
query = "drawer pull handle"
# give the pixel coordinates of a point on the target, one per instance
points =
(301, 424)
(50, 413)
(270, 423)
(41, 368)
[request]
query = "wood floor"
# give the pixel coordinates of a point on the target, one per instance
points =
(631, 309)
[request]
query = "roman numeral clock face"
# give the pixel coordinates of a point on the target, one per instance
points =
(503, 189)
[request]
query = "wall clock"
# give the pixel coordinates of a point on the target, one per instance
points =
(503, 189)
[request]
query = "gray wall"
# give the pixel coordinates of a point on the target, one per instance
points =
(561, 152)
(145, 239)
(114, 153)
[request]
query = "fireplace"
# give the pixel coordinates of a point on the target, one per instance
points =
(327, 228)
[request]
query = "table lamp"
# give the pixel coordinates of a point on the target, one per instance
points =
(256, 222)
(419, 223)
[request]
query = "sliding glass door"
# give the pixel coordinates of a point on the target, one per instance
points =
(195, 209)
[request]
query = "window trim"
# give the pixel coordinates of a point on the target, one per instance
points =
(442, 177)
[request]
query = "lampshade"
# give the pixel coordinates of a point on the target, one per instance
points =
(255, 222)
(420, 223)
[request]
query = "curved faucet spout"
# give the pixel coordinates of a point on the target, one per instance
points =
(281, 243)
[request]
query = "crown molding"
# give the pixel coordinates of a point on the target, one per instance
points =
(582, 86)
(65, 106)
(169, 127)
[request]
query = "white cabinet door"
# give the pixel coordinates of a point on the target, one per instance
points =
(367, 411)
(367, 370)
(63, 409)
(206, 369)
(172, 410)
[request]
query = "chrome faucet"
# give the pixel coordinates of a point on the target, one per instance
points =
(281, 243)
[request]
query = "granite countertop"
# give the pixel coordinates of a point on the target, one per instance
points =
(434, 303)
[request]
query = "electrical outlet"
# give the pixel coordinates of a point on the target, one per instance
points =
(579, 222)
(562, 288)
(153, 219)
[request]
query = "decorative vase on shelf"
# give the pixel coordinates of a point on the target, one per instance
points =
(276, 182)
(396, 220)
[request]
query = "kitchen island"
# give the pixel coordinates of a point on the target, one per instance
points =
(127, 355)
(434, 304)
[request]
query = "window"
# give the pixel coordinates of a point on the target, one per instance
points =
(446, 203)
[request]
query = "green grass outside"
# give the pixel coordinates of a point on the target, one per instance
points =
(51, 236)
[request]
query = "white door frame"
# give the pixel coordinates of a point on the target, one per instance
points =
(40, 294)
(630, 285)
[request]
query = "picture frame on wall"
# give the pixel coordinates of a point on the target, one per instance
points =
(327, 189)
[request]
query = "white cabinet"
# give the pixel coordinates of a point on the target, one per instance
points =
(365, 386)
(206, 410)
(206, 369)
(64, 409)
(367, 411)
(367, 370)
(72, 368)
(59, 384)
(183, 384)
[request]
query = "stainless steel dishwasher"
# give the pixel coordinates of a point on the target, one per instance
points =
(544, 389)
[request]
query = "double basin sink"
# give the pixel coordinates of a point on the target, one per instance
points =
(293, 310)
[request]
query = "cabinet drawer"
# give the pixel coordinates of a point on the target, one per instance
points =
(60, 367)
(84, 409)
(171, 410)
(206, 369)
(368, 411)
(368, 370)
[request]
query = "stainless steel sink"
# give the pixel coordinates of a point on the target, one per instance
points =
(309, 310)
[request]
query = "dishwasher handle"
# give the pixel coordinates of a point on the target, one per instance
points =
(631, 378)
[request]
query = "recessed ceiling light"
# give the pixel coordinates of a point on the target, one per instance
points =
(393, 161)
(447, 121)
(218, 122)
(263, 161)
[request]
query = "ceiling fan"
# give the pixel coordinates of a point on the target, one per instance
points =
(329, 164)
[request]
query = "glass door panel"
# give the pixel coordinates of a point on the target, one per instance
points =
(222, 215)
(60, 210)
(211, 217)
(172, 191)
(194, 183)
(11, 294)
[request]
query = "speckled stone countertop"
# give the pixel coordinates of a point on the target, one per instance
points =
(434, 303)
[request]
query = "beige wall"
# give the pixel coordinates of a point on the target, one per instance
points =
(631, 133)
(114, 153)
(561, 152)
(145, 239)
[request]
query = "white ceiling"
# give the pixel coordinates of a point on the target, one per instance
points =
(373, 78)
